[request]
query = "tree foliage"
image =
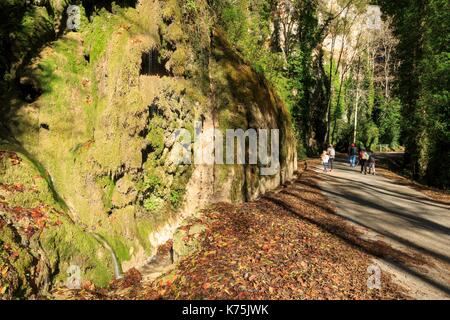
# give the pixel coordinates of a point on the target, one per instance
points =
(423, 29)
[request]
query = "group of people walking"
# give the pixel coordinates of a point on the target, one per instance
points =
(356, 156)
(365, 158)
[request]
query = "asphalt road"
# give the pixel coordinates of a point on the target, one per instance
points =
(398, 215)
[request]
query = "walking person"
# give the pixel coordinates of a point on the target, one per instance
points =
(353, 153)
(363, 160)
(325, 161)
(332, 154)
(371, 163)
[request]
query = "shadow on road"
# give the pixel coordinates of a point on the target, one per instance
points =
(335, 224)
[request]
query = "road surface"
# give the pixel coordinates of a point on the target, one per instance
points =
(399, 215)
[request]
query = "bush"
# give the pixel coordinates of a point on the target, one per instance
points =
(175, 198)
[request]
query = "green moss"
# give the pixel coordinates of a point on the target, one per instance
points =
(31, 32)
(174, 33)
(222, 173)
(176, 197)
(20, 268)
(236, 187)
(99, 33)
(155, 138)
(152, 182)
(154, 204)
(120, 247)
(170, 10)
(107, 185)
(68, 245)
(31, 173)
(144, 229)
(179, 60)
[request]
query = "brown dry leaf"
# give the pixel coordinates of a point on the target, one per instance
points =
(206, 286)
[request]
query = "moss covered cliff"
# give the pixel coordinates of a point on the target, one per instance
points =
(87, 138)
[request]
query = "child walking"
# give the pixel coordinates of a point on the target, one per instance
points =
(325, 160)
(371, 163)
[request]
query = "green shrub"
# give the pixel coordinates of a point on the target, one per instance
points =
(153, 203)
(175, 198)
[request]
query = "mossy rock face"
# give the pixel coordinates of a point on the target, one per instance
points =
(245, 100)
(69, 245)
(38, 240)
(102, 137)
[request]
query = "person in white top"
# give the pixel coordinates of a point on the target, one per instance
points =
(332, 153)
(325, 160)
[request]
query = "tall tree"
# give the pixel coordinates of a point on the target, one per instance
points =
(422, 27)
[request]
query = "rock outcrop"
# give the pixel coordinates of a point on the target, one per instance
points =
(99, 138)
